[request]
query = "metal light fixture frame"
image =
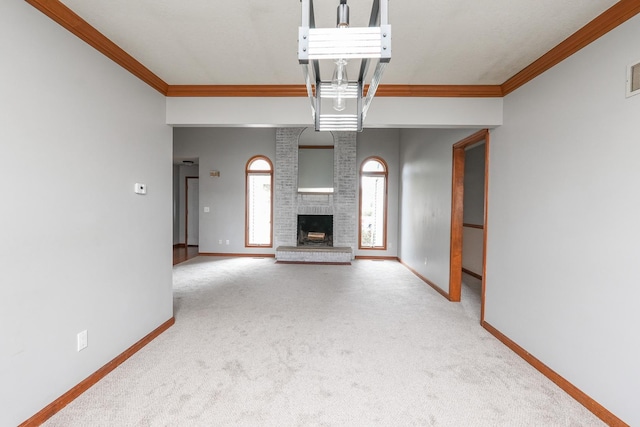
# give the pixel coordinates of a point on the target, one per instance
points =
(369, 44)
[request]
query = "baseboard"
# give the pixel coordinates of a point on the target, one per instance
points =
(573, 391)
(55, 406)
(472, 274)
(427, 281)
(232, 255)
(378, 258)
(179, 245)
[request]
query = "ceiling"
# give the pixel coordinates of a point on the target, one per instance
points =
(254, 42)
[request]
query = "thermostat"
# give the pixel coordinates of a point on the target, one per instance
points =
(141, 188)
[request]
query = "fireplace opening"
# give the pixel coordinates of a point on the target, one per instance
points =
(315, 230)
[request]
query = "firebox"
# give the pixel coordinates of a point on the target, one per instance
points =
(315, 230)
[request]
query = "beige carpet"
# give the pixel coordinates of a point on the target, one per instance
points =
(263, 344)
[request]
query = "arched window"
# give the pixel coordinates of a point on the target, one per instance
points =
(373, 204)
(259, 211)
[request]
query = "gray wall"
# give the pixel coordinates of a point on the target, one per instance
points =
(425, 204)
(474, 185)
(226, 150)
(562, 254)
(80, 250)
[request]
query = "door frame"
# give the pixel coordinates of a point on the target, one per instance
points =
(186, 210)
(457, 215)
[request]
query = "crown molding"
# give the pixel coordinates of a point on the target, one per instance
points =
(602, 24)
(83, 30)
(465, 91)
(237, 90)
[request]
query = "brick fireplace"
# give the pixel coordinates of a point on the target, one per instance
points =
(341, 204)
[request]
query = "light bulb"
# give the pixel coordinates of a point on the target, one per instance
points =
(339, 81)
(339, 102)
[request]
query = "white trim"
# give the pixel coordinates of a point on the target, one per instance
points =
(326, 190)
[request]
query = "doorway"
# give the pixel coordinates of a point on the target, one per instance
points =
(457, 217)
(192, 208)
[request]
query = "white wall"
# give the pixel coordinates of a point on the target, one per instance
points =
(385, 112)
(425, 204)
(384, 143)
(226, 150)
(562, 256)
(79, 249)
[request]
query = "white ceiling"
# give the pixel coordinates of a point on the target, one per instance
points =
(213, 42)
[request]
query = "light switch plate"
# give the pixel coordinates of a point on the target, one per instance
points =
(82, 340)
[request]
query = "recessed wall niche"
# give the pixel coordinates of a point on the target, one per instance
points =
(315, 162)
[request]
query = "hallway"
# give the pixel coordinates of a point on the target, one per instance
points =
(181, 253)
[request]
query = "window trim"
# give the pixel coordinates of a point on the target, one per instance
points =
(385, 174)
(247, 172)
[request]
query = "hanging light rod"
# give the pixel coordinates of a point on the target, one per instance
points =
(341, 45)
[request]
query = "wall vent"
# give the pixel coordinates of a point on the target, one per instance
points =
(633, 79)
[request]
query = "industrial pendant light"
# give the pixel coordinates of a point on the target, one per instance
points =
(341, 45)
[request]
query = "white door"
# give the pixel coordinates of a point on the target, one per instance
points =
(193, 206)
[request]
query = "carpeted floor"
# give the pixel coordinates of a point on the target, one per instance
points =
(263, 344)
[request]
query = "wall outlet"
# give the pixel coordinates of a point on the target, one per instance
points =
(82, 340)
(220, 241)
(425, 260)
(227, 241)
(206, 209)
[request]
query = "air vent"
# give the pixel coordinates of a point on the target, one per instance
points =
(633, 79)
